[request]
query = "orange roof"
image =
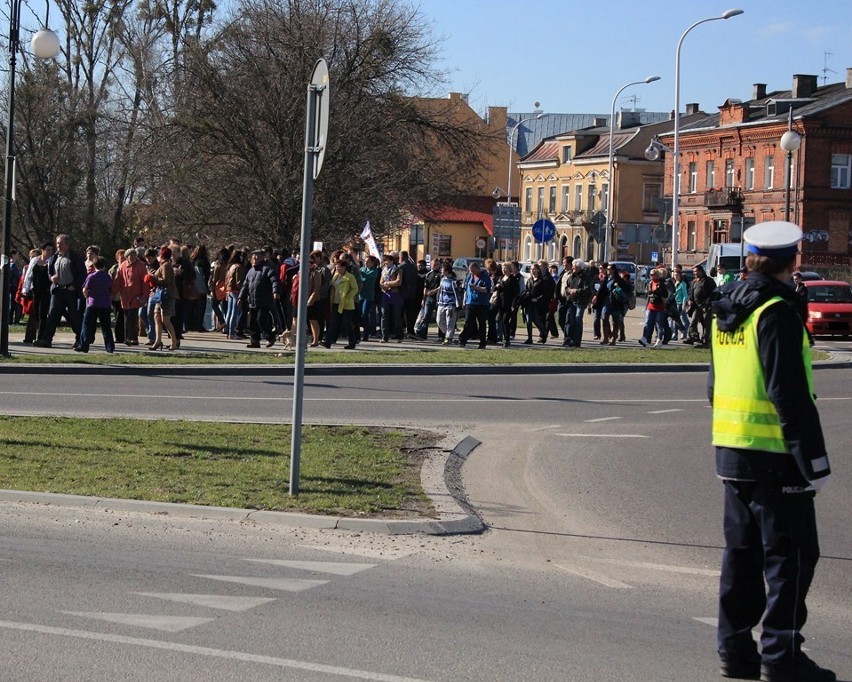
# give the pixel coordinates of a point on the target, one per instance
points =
(469, 209)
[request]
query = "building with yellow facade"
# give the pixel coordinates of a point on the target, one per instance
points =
(565, 179)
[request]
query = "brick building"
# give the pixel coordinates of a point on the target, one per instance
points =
(733, 171)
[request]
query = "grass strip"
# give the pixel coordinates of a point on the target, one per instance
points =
(345, 470)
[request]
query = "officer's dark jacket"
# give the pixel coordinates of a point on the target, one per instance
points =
(779, 337)
(260, 285)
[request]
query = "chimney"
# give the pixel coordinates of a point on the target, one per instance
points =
(627, 119)
(759, 91)
(849, 78)
(692, 108)
(600, 121)
(803, 86)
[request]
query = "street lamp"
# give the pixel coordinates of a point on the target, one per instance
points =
(611, 192)
(790, 142)
(676, 154)
(511, 138)
(45, 45)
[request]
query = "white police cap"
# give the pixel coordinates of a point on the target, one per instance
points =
(774, 239)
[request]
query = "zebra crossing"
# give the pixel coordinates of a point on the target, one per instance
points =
(209, 599)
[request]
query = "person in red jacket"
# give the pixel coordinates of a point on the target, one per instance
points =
(655, 310)
(129, 285)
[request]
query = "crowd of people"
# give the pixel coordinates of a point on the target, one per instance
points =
(166, 291)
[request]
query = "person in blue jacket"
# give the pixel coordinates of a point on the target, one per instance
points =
(477, 298)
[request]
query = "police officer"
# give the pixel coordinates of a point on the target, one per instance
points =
(770, 454)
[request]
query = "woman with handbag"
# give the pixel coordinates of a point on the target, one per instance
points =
(219, 290)
(234, 278)
(536, 303)
(164, 294)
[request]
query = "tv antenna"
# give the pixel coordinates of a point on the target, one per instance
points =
(825, 70)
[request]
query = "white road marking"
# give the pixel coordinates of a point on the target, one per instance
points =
(601, 419)
(332, 567)
(665, 411)
(387, 553)
(544, 428)
(144, 620)
(714, 622)
(601, 435)
(207, 651)
(285, 584)
(600, 579)
(689, 570)
(212, 601)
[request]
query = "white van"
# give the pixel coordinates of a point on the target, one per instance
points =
(731, 255)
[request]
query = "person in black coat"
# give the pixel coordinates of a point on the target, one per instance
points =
(701, 295)
(260, 292)
(507, 288)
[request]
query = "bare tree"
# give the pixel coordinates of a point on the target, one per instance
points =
(244, 115)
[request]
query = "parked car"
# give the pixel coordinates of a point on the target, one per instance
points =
(460, 266)
(829, 308)
(643, 278)
(626, 266)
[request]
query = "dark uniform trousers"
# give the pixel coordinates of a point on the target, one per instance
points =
(766, 525)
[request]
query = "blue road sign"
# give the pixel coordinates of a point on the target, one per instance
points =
(543, 230)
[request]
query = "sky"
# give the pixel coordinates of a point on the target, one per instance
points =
(573, 56)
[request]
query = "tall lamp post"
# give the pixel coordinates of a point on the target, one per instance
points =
(611, 179)
(790, 142)
(45, 45)
(511, 139)
(676, 152)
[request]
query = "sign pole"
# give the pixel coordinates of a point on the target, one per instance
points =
(316, 131)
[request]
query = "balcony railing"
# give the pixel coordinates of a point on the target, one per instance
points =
(729, 198)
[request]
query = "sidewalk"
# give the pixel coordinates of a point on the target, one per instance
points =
(214, 343)
(217, 343)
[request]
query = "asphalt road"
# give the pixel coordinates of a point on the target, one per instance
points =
(601, 562)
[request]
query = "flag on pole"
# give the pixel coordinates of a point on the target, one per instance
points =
(370, 241)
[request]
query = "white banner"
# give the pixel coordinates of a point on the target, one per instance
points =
(370, 241)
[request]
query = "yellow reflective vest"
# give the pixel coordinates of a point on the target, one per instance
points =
(743, 415)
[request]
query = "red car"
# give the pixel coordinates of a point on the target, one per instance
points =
(829, 308)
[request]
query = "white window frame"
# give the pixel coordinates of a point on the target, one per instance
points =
(578, 197)
(749, 173)
(566, 196)
(605, 196)
(730, 174)
(551, 201)
(841, 171)
(769, 172)
(528, 200)
(693, 177)
(710, 173)
(540, 203)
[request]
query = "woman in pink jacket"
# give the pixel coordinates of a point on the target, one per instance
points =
(129, 285)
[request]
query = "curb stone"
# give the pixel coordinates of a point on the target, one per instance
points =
(452, 518)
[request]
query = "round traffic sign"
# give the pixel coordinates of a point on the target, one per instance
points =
(543, 230)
